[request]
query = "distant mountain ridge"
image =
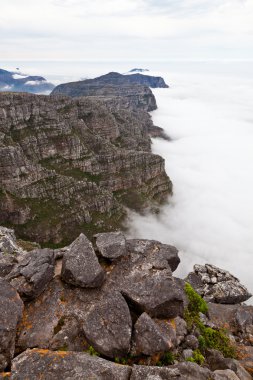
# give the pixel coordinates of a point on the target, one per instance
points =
(17, 82)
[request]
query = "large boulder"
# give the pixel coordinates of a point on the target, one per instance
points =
(80, 266)
(108, 326)
(111, 245)
(32, 273)
(151, 337)
(60, 365)
(217, 285)
(9, 251)
(225, 374)
(11, 308)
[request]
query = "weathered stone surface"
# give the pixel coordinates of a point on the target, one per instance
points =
(160, 255)
(181, 371)
(246, 358)
(181, 329)
(59, 365)
(111, 245)
(108, 326)
(191, 341)
(216, 361)
(70, 165)
(32, 273)
(80, 266)
(11, 307)
(151, 337)
(217, 285)
(225, 374)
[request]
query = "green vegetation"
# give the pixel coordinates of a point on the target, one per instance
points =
(91, 350)
(209, 338)
(168, 358)
(197, 357)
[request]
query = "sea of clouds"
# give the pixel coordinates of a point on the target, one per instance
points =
(209, 117)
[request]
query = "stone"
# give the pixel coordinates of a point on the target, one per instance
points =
(187, 353)
(225, 374)
(62, 365)
(245, 357)
(108, 326)
(217, 285)
(111, 245)
(191, 341)
(32, 273)
(80, 266)
(181, 329)
(11, 308)
(151, 337)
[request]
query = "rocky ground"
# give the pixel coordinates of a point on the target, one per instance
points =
(114, 310)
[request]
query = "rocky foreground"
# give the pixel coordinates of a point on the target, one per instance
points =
(114, 310)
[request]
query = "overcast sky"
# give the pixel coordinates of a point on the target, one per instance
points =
(126, 29)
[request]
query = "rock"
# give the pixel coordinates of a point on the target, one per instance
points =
(111, 245)
(192, 342)
(11, 308)
(8, 242)
(60, 365)
(225, 374)
(181, 371)
(32, 273)
(218, 285)
(108, 326)
(151, 337)
(72, 165)
(161, 255)
(181, 329)
(80, 266)
(245, 357)
(187, 353)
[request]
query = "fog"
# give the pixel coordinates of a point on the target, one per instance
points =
(210, 216)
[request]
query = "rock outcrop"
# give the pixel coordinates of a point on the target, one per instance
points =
(71, 165)
(15, 81)
(137, 319)
(117, 90)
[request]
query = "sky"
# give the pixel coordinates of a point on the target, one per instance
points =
(126, 29)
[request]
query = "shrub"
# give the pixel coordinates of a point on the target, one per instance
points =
(197, 357)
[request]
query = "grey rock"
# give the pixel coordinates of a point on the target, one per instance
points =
(225, 374)
(192, 342)
(108, 326)
(32, 273)
(217, 285)
(80, 266)
(59, 365)
(111, 245)
(216, 361)
(187, 353)
(181, 329)
(8, 242)
(151, 337)
(11, 308)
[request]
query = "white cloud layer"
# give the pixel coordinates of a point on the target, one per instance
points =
(119, 29)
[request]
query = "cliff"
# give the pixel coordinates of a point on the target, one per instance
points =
(128, 91)
(115, 310)
(71, 165)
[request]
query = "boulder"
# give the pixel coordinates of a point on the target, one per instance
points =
(225, 374)
(245, 356)
(60, 365)
(80, 266)
(108, 326)
(111, 245)
(11, 308)
(181, 329)
(32, 273)
(217, 285)
(151, 337)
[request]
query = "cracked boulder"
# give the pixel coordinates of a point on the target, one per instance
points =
(60, 365)
(217, 285)
(111, 245)
(32, 273)
(108, 326)
(11, 308)
(80, 266)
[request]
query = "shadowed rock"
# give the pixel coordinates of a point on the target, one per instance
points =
(60, 365)
(80, 266)
(11, 307)
(111, 245)
(151, 337)
(32, 273)
(108, 326)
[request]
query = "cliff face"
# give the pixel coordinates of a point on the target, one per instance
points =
(71, 164)
(127, 91)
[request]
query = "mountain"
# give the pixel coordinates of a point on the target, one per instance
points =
(134, 87)
(15, 81)
(72, 165)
